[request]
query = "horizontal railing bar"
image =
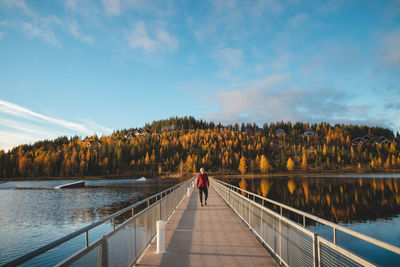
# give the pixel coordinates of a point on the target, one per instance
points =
(79, 254)
(66, 238)
(366, 238)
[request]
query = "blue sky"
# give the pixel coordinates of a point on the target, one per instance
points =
(78, 66)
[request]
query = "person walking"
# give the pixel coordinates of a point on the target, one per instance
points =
(202, 185)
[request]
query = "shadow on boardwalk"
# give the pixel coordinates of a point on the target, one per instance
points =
(207, 236)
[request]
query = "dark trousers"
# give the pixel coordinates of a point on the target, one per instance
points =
(201, 191)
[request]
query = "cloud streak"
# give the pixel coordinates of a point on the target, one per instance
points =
(39, 126)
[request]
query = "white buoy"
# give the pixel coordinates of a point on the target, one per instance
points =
(160, 236)
(188, 192)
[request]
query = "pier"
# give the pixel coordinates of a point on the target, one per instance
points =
(76, 184)
(211, 235)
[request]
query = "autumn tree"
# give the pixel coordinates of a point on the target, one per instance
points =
(242, 165)
(304, 164)
(24, 165)
(264, 164)
(290, 164)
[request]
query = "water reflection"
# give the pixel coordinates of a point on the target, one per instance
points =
(345, 200)
(34, 214)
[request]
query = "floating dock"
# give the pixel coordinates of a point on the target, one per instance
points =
(71, 185)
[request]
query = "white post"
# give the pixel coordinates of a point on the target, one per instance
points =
(188, 191)
(160, 236)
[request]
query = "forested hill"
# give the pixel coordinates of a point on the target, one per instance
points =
(185, 144)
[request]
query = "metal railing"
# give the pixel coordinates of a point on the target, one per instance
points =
(124, 244)
(290, 242)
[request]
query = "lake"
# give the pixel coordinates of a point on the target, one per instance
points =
(369, 204)
(34, 214)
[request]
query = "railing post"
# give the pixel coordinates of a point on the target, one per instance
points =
(304, 221)
(334, 236)
(134, 228)
(87, 238)
(262, 224)
(160, 209)
(315, 250)
(280, 239)
(103, 255)
(113, 223)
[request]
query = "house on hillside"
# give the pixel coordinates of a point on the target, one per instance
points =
(368, 139)
(310, 132)
(381, 140)
(129, 135)
(280, 132)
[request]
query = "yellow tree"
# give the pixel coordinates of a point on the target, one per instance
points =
(264, 164)
(290, 164)
(159, 169)
(189, 164)
(242, 165)
(324, 150)
(147, 159)
(304, 163)
(372, 164)
(387, 163)
(23, 165)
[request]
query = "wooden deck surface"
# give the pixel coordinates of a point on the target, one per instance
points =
(211, 235)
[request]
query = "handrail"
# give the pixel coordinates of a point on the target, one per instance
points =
(45, 248)
(335, 226)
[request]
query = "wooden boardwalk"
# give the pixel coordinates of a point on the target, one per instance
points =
(211, 235)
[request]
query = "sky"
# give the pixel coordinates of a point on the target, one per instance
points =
(79, 67)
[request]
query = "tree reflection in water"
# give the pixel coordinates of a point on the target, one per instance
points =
(346, 200)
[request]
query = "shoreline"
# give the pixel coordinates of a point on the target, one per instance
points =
(211, 174)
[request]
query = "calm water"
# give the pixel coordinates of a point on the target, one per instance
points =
(34, 214)
(369, 204)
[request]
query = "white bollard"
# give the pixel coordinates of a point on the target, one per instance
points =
(160, 236)
(188, 192)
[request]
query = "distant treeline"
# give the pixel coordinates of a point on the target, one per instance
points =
(186, 144)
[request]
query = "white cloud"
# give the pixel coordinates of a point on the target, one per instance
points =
(20, 4)
(273, 99)
(140, 37)
(27, 126)
(2, 34)
(74, 29)
(112, 7)
(46, 34)
(164, 38)
(16, 110)
(30, 129)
